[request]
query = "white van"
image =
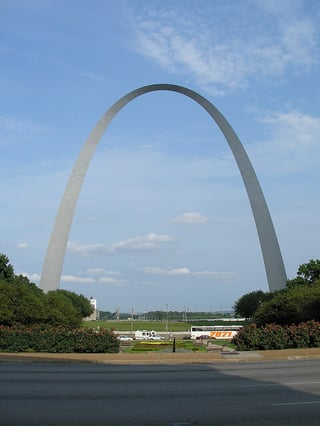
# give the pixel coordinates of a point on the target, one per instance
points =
(144, 334)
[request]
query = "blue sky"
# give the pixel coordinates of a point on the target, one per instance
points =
(163, 217)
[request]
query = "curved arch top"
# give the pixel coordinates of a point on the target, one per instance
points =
(52, 268)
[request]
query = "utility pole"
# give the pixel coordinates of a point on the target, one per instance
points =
(167, 318)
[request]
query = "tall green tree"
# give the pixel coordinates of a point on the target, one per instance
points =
(6, 269)
(310, 271)
(22, 302)
(22, 279)
(79, 302)
(250, 302)
(60, 311)
(20, 305)
(292, 306)
(308, 274)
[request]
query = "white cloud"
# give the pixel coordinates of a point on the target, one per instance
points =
(141, 243)
(92, 76)
(295, 130)
(190, 218)
(13, 131)
(225, 54)
(22, 245)
(86, 250)
(32, 277)
(77, 280)
(217, 276)
(113, 281)
(160, 271)
(293, 145)
(100, 271)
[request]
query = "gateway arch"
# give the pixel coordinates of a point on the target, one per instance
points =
(53, 263)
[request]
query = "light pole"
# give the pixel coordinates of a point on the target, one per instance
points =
(167, 318)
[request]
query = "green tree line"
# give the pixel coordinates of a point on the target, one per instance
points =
(22, 302)
(298, 302)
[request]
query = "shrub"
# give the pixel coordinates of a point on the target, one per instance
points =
(39, 338)
(22, 302)
(291, 306)
(247, 338)
(274, 336)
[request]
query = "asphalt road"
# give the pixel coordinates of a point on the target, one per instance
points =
(268, 393)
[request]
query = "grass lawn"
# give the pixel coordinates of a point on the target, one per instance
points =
(167, 346)
(158, 326)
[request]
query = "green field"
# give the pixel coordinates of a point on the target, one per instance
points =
(181, 345)
(139, 325)
(164, 346)
(159, 326)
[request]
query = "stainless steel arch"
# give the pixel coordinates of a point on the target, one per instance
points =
(52, 268)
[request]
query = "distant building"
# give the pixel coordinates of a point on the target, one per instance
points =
(94, 315)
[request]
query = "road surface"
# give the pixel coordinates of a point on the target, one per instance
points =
(266, 393)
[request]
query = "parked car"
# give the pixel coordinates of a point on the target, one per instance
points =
(124, 338)
(205, 337)
(156, 337)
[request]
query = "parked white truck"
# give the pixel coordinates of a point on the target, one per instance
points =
(144, 334)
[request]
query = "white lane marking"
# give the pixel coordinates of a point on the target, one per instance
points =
(281, 384)
(297, 403)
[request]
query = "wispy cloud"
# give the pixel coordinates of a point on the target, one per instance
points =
(77, 280)
(83, 279)
(92, 76)
(190, 218)
(143, 243)
(112, 281)
(293, 146)
(34, 278)
(22, 245)
(100, 271)
(225, 55)
(161, 271)
(217, 276)
(13, 131)
(86, 250)
(138, 244)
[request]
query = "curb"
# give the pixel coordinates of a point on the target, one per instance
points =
(149, 358)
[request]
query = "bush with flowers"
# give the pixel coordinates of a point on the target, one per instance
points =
(39, 338)
(274, 336)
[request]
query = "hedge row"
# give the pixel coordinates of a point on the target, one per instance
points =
(273, 336)
(39, 338)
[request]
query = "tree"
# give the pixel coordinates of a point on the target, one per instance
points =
(79, 302)
(20, 305)
(23, 302)
(6, 270)
(250, 302)
(298, 281)
(60, 310)
(291, 306)
(308, 274)
(6, 311)
(22, 279)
